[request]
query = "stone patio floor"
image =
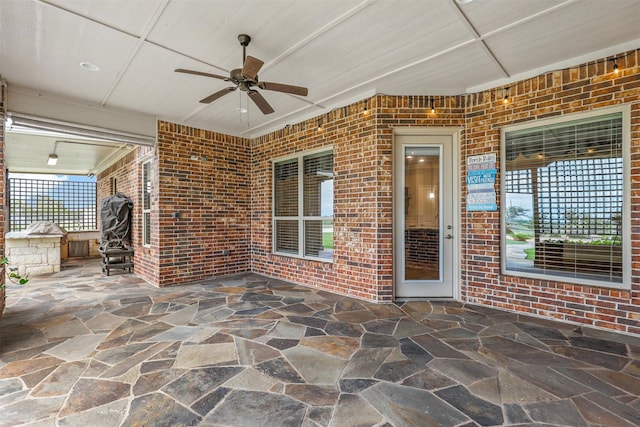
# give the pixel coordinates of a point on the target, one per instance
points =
(81, 349)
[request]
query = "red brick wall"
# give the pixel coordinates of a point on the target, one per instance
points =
(583, 88)
(353, 269)
(204, 177)
(363, 205)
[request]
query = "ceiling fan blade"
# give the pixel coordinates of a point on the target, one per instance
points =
(259, 100)
(200, 73)
(279, 87)
(251, 67)
(209, 99)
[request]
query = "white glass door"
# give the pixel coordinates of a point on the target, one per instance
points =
(424, 219)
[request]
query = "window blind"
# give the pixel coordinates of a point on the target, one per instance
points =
(564, 196)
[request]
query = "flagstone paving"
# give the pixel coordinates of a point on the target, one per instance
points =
(80, 349)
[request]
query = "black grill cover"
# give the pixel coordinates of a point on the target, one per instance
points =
(115, 218)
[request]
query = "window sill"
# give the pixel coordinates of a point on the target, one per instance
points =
(302, 258)
(568, 279)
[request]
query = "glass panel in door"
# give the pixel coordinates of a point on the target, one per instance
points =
(421, 213)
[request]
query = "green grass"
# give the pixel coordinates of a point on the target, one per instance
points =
(516, 242)
(531, 253)
(327, 240)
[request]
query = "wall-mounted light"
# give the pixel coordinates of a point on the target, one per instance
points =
(366, 108)
(53, 157)
(505, 99)
(615, 66)
(319, 128)
(433, 106)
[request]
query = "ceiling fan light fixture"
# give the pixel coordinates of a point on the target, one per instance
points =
(53, 159)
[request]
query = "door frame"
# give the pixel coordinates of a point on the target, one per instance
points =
(455, 134)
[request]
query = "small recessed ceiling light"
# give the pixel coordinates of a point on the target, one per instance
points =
(464, 1)
(241, 110)
(89, 66)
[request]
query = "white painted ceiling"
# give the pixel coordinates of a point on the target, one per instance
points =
(342, 50)
(27, 152)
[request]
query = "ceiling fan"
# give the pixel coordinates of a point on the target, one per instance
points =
(246, 78)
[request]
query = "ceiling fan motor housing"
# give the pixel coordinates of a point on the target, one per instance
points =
(243, 82)
(246, 78)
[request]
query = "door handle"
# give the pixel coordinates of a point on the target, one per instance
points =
(449, 236)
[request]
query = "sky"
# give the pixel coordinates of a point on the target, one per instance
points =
(51, 177)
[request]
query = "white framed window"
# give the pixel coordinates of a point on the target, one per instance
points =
(303, 205)
(146, 203)
(565, 199)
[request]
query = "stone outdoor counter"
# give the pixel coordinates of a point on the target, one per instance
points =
(33, 254)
